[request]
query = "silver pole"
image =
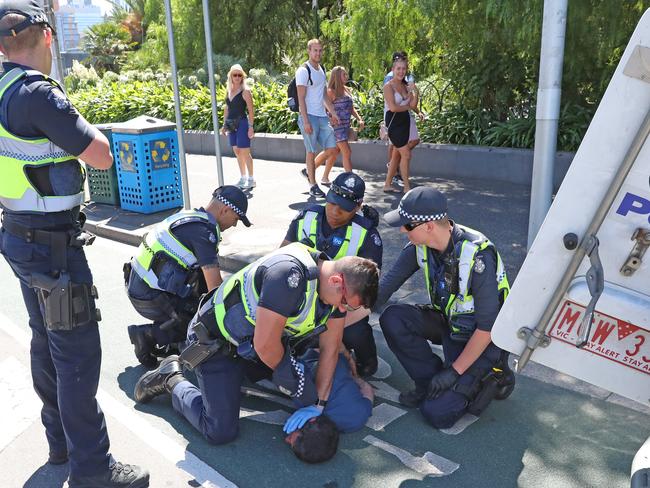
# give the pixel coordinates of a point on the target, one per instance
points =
(177, 105)
(548, 112)
(213, 90)
(57, 62)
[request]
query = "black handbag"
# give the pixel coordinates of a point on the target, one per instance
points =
(231, 125)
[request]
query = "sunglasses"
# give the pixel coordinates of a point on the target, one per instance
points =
(237, 75)
(409, 226)
(344, 300)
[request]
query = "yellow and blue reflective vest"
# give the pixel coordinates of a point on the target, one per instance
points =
(162, 240)
(18, 154)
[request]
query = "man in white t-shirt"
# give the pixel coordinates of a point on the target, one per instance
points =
(313, 120)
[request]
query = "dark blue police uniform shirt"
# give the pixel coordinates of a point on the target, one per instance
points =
(199, 237)
(483, 286)
(282, 287)
(371, 248)
(36, 108)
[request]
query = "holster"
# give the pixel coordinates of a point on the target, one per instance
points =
(202, 348)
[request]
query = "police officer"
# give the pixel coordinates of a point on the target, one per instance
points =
(467, 285)
(259, 315)
(176, 263)
(42, 138)
(344, 227)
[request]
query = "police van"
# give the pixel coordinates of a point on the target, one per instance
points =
(581, 301)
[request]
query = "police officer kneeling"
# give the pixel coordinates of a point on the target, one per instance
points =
(176, 263)
(261, 314)
(467, 285)
(41, 190)
(344, 227)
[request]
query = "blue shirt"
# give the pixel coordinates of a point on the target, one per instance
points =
(329, 240)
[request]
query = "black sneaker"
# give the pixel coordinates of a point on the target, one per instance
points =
(304, 174)
(154, 383)
(412, 398)
(315, 191)
(367, 368)
(119, 475)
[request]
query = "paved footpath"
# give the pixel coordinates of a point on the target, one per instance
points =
(552, 432)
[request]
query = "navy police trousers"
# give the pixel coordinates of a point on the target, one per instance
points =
(65, 364)
(408, 330)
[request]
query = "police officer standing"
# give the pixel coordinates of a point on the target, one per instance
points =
(176, 263)
(467, 284)
(344, 227)
(41, 189)
(258, 317)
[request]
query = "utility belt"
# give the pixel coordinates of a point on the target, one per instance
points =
(67, 304)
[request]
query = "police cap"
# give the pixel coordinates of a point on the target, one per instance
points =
(347, 191)
(234, 198)
(421, 204)
(29, 8)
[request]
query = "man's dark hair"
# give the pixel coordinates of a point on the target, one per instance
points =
(317, 441)
(361, 277)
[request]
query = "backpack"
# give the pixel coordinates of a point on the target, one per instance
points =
(292, 90)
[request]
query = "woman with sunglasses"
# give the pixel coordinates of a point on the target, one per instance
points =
(238, 125)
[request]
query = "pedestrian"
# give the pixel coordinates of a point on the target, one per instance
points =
(311, 84)
(315, 439)
(467, 284)
(177, 262)
(341, 98)
(344, 226)
(261, 314)
(43, 137)
(400, 97)
(238, 125)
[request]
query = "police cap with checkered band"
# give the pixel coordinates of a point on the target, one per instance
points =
(421, 204)
(233, 197)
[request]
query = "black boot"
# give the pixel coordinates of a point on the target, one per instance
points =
(158, 381)
(506, 383)
(118, 476)
(144, 343)
(413, 398)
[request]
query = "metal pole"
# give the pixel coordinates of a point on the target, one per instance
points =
(579, 254)
(548, 112)
(314, 8)
(57, 62)
(177, 105)
(213, 90)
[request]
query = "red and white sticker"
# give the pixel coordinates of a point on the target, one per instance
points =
(611, 338)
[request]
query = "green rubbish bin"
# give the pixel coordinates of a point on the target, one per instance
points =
(102, 183)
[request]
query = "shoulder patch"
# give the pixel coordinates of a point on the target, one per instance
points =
(377, 240)
(212, 237)
(58, 99)
(293, 280)
(337, 240)
(479, 265)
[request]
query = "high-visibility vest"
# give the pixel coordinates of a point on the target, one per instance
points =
(310, 226)
(18, 154)
(297, 326)
(162, 240)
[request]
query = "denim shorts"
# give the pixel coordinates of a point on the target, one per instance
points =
(239, 138)
(322, 133)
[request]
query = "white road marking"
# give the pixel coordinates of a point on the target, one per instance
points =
(429, 464)
(268, 396)
(20, 406)
(382, 415)
(274, 417)
(462, 423)
(385, 391)
(383, 369)
(138, 425)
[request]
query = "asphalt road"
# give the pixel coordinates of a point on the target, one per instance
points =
(542, 436)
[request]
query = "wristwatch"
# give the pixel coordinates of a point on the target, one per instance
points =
(321, 403)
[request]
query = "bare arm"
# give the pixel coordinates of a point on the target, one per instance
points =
(98, 153)
(225, 116)
(267, 336)
(415, 97)
(479, 341)
(248, 97)
(302, 91)
(389, 96)
(329, 344)
(212, 275)
(366, 389)
(330, 107)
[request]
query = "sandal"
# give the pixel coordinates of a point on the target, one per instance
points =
(326, 183)
(391, 190)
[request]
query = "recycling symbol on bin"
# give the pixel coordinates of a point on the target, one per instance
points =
(160, 152)
(126, 155)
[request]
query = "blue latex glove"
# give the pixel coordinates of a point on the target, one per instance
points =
(300, 418)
